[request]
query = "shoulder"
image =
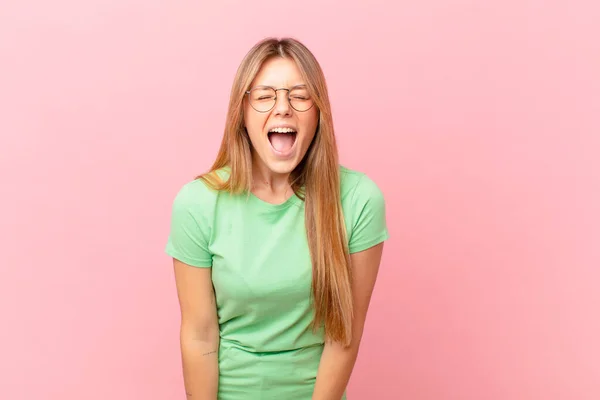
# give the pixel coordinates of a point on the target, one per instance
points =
(357, 187)
(364, 211)
(197, 196)
(195, 193)
(192, 217)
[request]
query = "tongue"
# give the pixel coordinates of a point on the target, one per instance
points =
(282, 142)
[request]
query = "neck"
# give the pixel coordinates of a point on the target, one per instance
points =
(268, 180)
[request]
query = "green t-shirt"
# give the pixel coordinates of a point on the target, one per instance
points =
(261, 267)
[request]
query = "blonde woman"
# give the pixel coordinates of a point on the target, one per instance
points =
(275, 249)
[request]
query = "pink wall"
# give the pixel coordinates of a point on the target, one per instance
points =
(478, 120)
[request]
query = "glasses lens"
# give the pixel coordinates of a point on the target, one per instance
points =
(262, 99)
(300, 99)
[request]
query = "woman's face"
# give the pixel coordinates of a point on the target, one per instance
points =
(280, 151)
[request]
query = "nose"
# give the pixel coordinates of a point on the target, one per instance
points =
(282, 103)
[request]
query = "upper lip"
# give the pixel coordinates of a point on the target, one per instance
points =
(282, 126)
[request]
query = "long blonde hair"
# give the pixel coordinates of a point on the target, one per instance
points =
(316, 180)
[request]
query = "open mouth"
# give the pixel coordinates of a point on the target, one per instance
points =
(282, 139)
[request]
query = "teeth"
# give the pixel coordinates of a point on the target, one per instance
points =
(282, 130)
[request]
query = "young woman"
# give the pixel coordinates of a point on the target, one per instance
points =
(276, 249)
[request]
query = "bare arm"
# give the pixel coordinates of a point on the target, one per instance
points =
(199, 334)
(338, 361)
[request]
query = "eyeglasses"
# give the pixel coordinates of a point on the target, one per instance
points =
(263, 98)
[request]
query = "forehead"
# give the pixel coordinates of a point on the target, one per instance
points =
(279, 72)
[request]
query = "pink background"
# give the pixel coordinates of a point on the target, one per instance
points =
(479, 120)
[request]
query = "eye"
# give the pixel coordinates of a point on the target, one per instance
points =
(299, 94)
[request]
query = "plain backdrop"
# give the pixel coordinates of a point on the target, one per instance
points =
(478, 120)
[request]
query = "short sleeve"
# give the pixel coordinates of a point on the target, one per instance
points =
(368, 216)
(190, 230)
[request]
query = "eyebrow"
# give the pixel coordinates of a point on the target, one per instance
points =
(300, 86)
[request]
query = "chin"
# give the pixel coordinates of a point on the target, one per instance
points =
(282, 167)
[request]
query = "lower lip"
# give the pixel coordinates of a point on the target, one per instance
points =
(284, 154)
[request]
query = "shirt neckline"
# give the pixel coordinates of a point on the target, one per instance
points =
(293, 199)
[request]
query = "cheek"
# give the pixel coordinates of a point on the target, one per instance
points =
(251, 119)
(311, 122)
(254, 124)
